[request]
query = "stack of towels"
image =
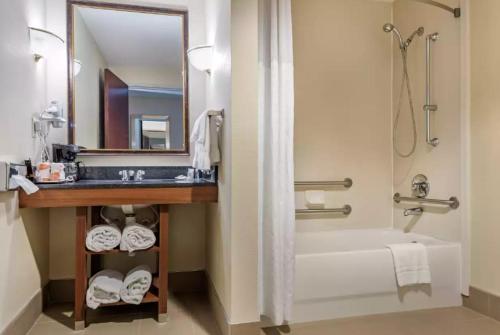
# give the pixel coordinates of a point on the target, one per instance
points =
(108, 236)
(109, 286)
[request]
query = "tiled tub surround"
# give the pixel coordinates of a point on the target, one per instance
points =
(351, 272)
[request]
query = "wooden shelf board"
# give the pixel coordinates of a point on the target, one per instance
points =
(148, 299)
(155, 249)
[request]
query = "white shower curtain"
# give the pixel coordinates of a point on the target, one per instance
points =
(277, 181)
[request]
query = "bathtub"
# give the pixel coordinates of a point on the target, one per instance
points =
(350, 273)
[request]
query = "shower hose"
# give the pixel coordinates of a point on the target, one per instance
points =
(405, 82)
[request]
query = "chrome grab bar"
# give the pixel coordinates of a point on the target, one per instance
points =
(347, 183)
(453, 202)
(346, 210)
(429, 107)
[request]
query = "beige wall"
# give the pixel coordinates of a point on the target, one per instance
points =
(150, 76)
(485, 126)
(244, 162)
(343, 107)
(443, 165)
(189, 226)
(23, 234)
(88, 85)
(218, 95)
(233, 224)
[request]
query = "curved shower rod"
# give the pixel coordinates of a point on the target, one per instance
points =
(457, 12)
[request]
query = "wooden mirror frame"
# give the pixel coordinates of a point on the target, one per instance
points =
(71, 4)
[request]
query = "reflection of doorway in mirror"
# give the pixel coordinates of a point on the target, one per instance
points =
(150, 132)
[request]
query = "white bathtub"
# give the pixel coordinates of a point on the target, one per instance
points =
(350, 272)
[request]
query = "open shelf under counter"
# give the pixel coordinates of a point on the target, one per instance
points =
(84, 195)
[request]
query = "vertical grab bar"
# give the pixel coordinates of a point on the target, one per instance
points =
(428, 107)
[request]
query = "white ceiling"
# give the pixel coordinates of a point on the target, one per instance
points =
(132, 39)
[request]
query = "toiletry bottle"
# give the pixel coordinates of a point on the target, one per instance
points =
(29, 170)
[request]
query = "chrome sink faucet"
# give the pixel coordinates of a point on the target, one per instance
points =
(139, 175)
(127, 175)
(414, 211)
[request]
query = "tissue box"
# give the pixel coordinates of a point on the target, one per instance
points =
(6, 171)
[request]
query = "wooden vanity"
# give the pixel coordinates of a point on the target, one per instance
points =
(84, 197)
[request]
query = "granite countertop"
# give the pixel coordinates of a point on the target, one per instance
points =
(108, 177)
(149, 183)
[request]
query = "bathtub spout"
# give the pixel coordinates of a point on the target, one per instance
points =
(414, 211)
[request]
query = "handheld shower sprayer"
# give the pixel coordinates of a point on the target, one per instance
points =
(403, 45)
(390, 28)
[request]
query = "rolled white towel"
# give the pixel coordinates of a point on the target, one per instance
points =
(136, 284)
(104, 288)
(103, 237)
(137, 237)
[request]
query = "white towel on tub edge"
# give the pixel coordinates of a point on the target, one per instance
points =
(411, 263)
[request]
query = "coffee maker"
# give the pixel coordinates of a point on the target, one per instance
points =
(66, 154)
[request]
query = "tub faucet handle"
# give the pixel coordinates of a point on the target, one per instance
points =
(420, 186)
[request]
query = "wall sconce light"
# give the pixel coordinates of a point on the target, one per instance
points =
(42, 41)
(201, 57)
(77, 66)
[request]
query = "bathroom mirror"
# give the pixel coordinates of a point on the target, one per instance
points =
(128, 79)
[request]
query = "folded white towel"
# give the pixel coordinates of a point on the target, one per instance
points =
(410, 263)
(315, 199)
(205, 137)
(137, 237)
(103, 237)
(136, 284)
(104, 288)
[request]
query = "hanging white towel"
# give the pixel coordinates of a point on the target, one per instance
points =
(136, 284)
(410, 263)
(205, 138)
(104, 288)
(103, 237)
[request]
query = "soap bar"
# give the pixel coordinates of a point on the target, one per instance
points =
(315, 199)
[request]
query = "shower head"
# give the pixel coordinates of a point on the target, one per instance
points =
(388, 28)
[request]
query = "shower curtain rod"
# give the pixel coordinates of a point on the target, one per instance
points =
(457, 12)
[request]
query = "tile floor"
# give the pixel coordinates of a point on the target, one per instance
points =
(191, 315)
(445, 321)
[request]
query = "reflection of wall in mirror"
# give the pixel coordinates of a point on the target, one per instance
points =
(164, 77)
(88, 85)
